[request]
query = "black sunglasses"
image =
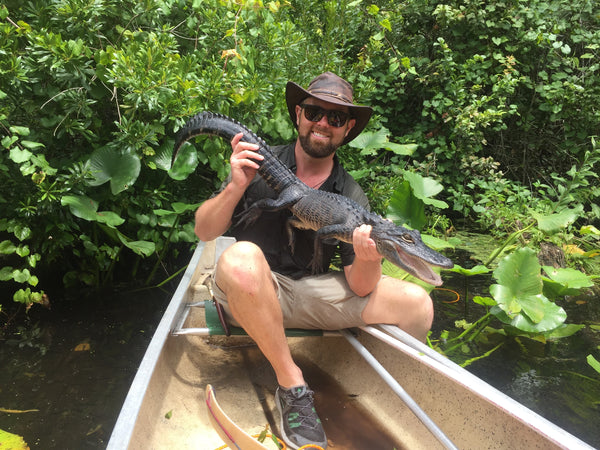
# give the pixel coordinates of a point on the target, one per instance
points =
(315, 113)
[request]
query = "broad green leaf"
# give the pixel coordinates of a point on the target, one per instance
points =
(110, 218)
(519, 285)
(484, 301)
(162, 158)
(405, 208)
(370, 141)
(6, 273)
(180, 208)
(424, 188)
(554, 223)
(435, 242)
(121, 169)
(554, 317)
(7, 248)
(19, 156)
(32, 145)
(476, 270)
(401, 149)
(142, 248)
(81, 206)
(22, 131)
(562, 282)
(185, 164)
(563, 331)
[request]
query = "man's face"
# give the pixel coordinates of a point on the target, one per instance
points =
(320, 139)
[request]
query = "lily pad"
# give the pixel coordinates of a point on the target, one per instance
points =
(521, 302)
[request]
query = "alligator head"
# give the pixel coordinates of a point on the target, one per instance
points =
(405, 249)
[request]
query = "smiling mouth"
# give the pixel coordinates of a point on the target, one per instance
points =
(319, 135)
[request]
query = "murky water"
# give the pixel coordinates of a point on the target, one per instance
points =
(73, 366)
(74, 363)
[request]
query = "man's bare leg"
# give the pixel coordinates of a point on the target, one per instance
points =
(244, 275)
(398, 302)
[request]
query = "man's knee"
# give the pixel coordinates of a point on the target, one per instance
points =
(420, 304)
(242, 265)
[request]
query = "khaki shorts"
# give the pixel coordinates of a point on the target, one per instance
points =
(323, 302)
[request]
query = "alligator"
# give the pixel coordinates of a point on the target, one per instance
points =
(333, 217)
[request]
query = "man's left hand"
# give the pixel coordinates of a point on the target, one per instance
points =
(365, 247)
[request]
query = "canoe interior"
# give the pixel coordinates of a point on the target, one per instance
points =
(358, 410)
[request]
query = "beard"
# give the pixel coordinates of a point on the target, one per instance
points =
(317, 149)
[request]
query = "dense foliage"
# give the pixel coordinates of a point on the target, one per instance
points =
(497, 101)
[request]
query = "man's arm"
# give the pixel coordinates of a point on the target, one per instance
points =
(365, 272)
(213, 217)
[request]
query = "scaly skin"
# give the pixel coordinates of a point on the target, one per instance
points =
(330, 215)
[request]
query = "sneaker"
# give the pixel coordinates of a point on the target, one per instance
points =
(300, 424)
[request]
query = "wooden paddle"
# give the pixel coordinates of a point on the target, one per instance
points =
(232, 435)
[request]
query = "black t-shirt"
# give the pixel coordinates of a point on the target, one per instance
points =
(269, 231)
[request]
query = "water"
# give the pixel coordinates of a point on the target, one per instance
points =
(75, 362)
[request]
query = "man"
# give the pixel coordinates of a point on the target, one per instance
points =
(264, 287)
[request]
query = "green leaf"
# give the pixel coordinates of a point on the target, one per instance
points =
(180, 208)
(162, 158)
(593, 362)
(7, 248)
(554, 223)
(32, 145)
(562, 282)
(121, 169)
(477, 270)
(142, 248)
(11, 441)
(21, 131)
(110, 218)
(401, 149)
(185, 164)
(484, 301)
(435, 242)
(520, 284)
(563, 331)
(589, 229)
(405, 208)
(424, 188)
(521, 302)
(370, 141)
(81, 206)
(19, 156)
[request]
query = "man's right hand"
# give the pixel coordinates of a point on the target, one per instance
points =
(243, 162)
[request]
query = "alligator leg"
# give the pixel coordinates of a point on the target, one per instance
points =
(329, 233)
(286, 199)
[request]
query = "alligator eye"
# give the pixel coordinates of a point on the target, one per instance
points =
(407, 238)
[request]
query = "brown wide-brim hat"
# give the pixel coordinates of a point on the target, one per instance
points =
(333, 89)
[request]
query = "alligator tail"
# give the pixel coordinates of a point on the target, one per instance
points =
(275, 173)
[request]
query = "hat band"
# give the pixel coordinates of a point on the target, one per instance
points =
(331, 94)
